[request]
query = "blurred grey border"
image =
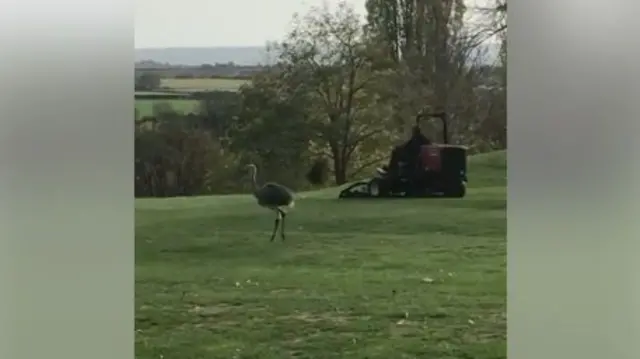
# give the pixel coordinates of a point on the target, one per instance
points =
(573, 123)
(66, 181)
(66, 153)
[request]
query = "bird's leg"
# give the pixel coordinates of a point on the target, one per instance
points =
(283, 215)
(275, 226)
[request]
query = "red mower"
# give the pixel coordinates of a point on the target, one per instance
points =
(418, 168)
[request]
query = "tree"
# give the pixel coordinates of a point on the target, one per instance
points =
(494, 29)
(147, 81)
(408, 27)
(220, 110)
(173, 158)
(491, 19)
(438, 62)
(327, 58)
(498, 17)
(273, 128)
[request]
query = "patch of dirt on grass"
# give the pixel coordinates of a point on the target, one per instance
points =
(316, 317)
(221, 308)
(211, 310)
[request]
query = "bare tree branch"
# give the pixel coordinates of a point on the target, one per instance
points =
(367, 164)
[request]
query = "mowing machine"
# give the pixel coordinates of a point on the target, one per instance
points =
(418, 168)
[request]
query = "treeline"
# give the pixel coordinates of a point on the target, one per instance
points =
(342, 94)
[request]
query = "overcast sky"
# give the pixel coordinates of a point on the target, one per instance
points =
(205, 23)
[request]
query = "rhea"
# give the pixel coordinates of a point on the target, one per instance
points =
(275, 197)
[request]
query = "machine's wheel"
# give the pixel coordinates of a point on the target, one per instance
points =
(355, 190)
(374, 188)
(457, 190)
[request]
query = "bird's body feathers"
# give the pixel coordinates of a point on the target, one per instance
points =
(274, 195)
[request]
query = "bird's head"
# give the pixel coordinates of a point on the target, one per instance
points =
(252, 169)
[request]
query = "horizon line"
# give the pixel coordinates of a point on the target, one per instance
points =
(195, 47)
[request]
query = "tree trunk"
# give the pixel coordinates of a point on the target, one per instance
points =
(339, 166)
(340, 172)
(441, 60)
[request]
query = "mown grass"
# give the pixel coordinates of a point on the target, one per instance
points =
(354, 279)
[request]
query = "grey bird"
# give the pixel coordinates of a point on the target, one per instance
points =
(275, 197)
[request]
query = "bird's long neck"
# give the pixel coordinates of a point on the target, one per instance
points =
(254, 181)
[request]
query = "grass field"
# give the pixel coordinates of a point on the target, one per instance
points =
(355, 279)
(145, 107)
(200, 84)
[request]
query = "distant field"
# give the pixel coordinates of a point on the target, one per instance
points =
(145, 107)
(203, 84)
(153, 93)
